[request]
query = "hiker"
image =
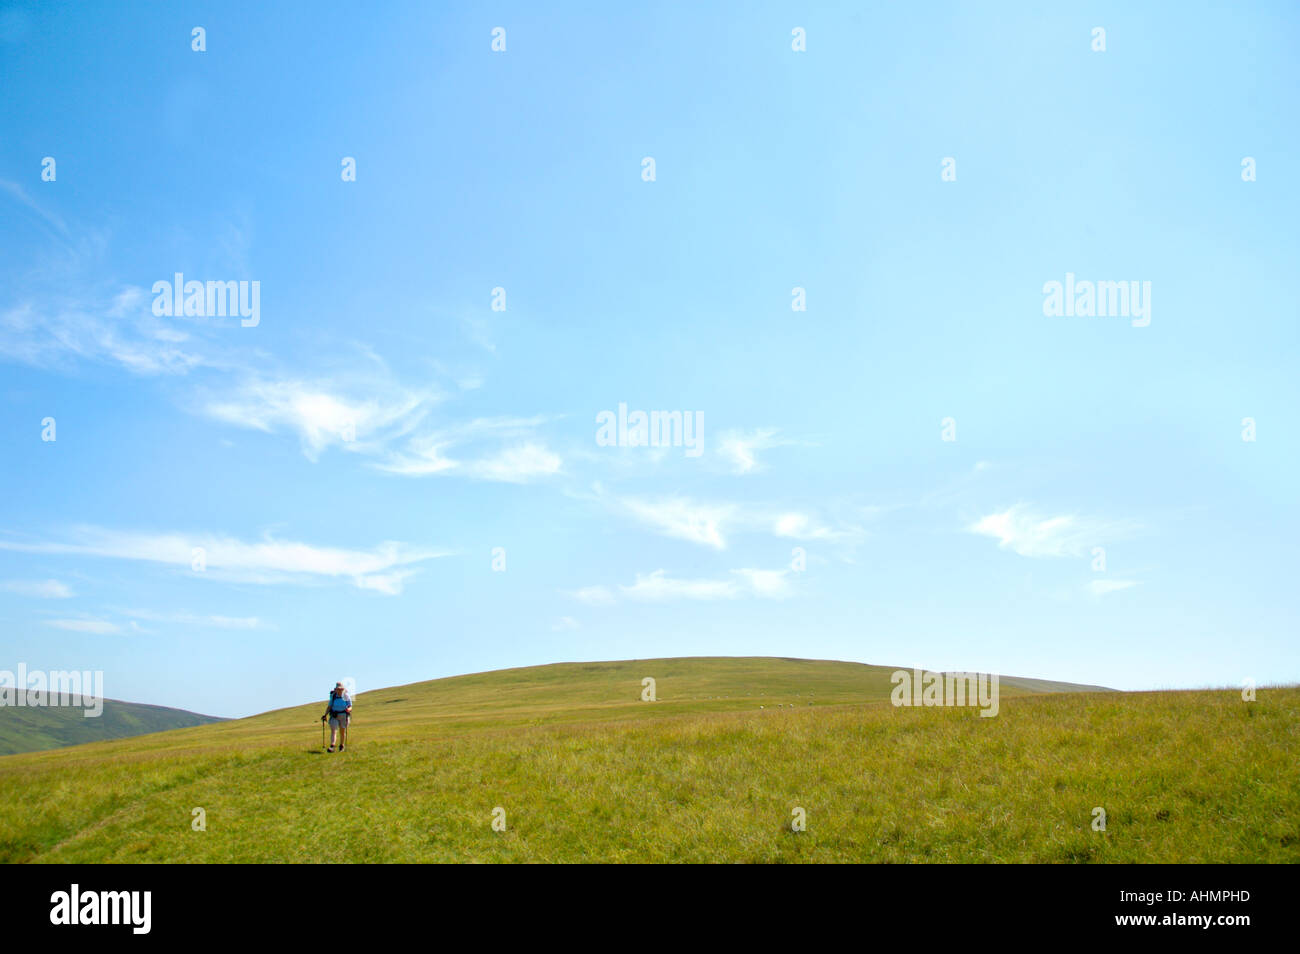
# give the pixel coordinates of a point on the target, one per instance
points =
(339, 711)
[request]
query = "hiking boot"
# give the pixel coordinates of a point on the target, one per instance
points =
(330, 749)
(342, 747)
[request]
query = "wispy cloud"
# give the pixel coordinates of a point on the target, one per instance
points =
(739, 449)
(767, 584)
(502, 449)
(359, 407)
(594, 595)
(480, 331)
(100, 627)
(1027, 533)
(21, 195)
(516, 465)
(1102, 587)
(713, 523)
(802, 526)
(124, 332)
(657, 587)
(196, 619)
(323, 414)
(682, 518)
(382, 568)
(41, 589)
(424, 457)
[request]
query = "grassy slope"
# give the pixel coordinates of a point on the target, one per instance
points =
(31, 728)
(585, 771)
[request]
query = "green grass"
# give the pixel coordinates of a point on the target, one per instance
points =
(32, 728)
(587, 772)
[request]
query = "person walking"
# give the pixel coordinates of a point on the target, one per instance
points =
(339, 711)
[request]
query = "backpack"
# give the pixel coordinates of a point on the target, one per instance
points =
(337, 702)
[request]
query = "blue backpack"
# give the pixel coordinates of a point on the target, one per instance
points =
(337, 702)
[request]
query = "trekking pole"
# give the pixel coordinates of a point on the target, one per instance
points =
(322, 733)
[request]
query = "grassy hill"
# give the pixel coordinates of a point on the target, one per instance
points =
(31, 728)
(584, 770)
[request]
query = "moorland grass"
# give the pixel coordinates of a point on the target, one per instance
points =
(586, 771)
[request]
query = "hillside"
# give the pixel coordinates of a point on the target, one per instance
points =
(33, 728)
(584, 770)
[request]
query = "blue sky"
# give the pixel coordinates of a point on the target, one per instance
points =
(348, 464)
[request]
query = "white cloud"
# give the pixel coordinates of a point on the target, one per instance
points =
(517, 457)
(424, 458)
(594, 595)
(193, 619)
(768, 584)
(97, 626)
(564, 624)
(739, 449)
(390, 584)
(1029, 534)
(659, 587)
(361, 409)
(126, 333)
(41, 589)
(800, 526)
(321, 413)
(480, 331)
(712, 524)
(21, 195)
(381, 568)
(682, 518)
(1102, 587)
(516, 465)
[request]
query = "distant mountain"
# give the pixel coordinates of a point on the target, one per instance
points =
(33, 728)
(1044, 685)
